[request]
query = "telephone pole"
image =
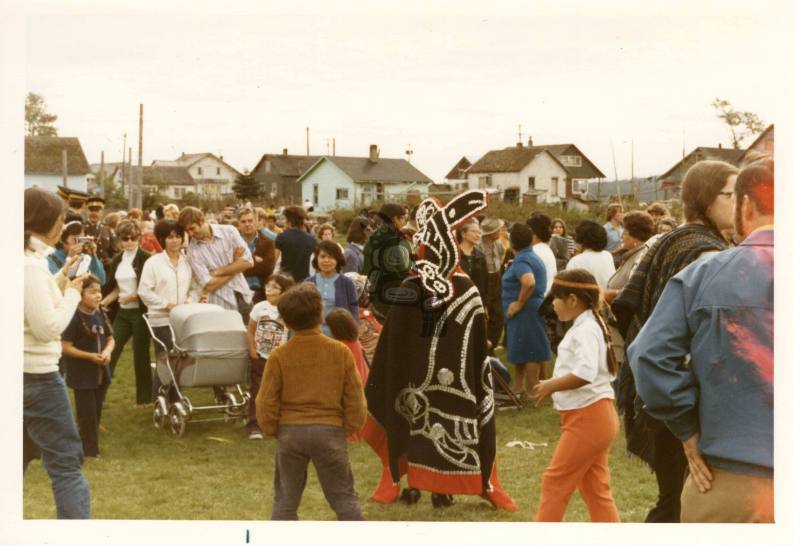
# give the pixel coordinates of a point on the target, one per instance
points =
(64, 167)
(140, 174)
(308, 146)
(124, 147)
(102, 174)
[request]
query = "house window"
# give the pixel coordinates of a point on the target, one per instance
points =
(571, 160)
(485, 181)
(274, 191)
(342, 193)
(316, 194)
(267, 166)
(579, 186)
(379, 192)
(199, 170)
(531, 183)
(554, 185)
(219, 171)
(511, 195)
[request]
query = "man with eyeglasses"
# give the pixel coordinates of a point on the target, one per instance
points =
(107, 243)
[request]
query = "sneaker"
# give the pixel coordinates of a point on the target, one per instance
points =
(255, 435)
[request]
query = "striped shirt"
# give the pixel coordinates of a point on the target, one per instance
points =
(215, 253)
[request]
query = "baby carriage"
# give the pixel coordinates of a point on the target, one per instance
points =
(209, 350)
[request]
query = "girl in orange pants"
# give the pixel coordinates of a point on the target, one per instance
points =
(582, 392)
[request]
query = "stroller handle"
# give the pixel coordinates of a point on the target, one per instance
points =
(147, 318)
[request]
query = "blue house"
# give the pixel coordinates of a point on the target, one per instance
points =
(349, 182)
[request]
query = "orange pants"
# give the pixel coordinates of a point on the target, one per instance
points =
(581, 461)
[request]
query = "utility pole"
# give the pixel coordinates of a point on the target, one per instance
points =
(308, 146)
(634, 184)
(334, 146)
(327, 146)
(124, 147)
(102, 174)
(409, 153)
(616, 178)
(519, 134)
(131, 177)
(64, 167)
(140, 173)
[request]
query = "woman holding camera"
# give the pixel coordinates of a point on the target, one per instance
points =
(48, 424)
(72, 243)
(122, 288)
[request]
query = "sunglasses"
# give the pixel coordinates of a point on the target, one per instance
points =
(128, 238)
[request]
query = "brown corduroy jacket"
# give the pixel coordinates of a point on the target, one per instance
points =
(311, 380)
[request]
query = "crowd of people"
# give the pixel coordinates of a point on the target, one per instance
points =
(665, 323)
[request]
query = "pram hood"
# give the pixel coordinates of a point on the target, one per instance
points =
(204, 329)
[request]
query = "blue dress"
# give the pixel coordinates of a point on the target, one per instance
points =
(526, 337)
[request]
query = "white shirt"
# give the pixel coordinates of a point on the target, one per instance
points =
(544, 252)
(47, 311)
(582, 353)
(162, 284)
(600, 264)
(126, 279)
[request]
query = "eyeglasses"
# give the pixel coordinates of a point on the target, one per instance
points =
(128, 238)
(726, 193)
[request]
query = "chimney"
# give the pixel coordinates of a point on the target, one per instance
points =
(221, 158)
(286, 151)
(519, 144)
(719, 145)
(373, 153)
(530, 142)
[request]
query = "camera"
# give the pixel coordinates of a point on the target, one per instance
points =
(85, 242)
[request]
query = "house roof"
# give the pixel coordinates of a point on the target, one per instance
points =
(457, 172)
(160, 175)
(361, 169)
(108, 168)
(701, 153)
(187, 160)
(768, 132)
(43, 155)
(515, 158)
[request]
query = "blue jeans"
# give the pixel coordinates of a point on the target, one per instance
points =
(326, 447)
(48, 424)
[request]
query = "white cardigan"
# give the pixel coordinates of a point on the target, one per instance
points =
(47, 311)
(162, 284)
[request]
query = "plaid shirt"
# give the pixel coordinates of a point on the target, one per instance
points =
(215, 253)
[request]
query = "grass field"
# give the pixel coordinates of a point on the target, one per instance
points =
(215, 473)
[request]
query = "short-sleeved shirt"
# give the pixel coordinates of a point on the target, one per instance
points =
(296, 247)
(582, 353)
(270, 330)
(215, 253)
(549, 259)
(83, 374)
(600, 264)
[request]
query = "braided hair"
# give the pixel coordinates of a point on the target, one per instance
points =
(583, 284)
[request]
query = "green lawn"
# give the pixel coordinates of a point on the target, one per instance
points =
(215, 473)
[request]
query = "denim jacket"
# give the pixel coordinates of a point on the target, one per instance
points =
(719, 312)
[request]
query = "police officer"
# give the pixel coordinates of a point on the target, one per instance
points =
(107, 244)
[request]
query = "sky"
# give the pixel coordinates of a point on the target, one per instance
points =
(445, 82)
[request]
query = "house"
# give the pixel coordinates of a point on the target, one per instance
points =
(112, 172)
(348, 182)
(457, 177)
(172, 182)
(765, 142)
(670, 181)
(545, 174)
(212, 176)
(278, 174)
(44, 163)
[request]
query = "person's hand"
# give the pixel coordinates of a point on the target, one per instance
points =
(700, 473)
(258, 259)
(128, 298)
(513, 309)
(204, 298)
(91, 248)
(98, 359)
(541, 391)
(75, 249)
(238, 252)
(169, 307)
(106, 354)
(69, 263)
(77, 282)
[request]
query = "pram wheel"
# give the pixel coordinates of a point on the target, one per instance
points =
(159, 417)
(231, 408)
(177, 419)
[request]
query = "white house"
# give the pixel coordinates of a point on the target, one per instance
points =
(171, 182)
(545, 174)
(44, 163)
(213, 177)
(348, 182)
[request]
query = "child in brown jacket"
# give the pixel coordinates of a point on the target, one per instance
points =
(311, 399)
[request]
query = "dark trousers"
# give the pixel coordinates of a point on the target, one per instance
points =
(495, 324)
(130, 323)
(326, 447)
(88, 408)
(256, 372)
(670, 468)
(162, 334)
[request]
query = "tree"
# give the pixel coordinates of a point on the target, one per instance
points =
(38, 122)
(740, 124)
(247, 188)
